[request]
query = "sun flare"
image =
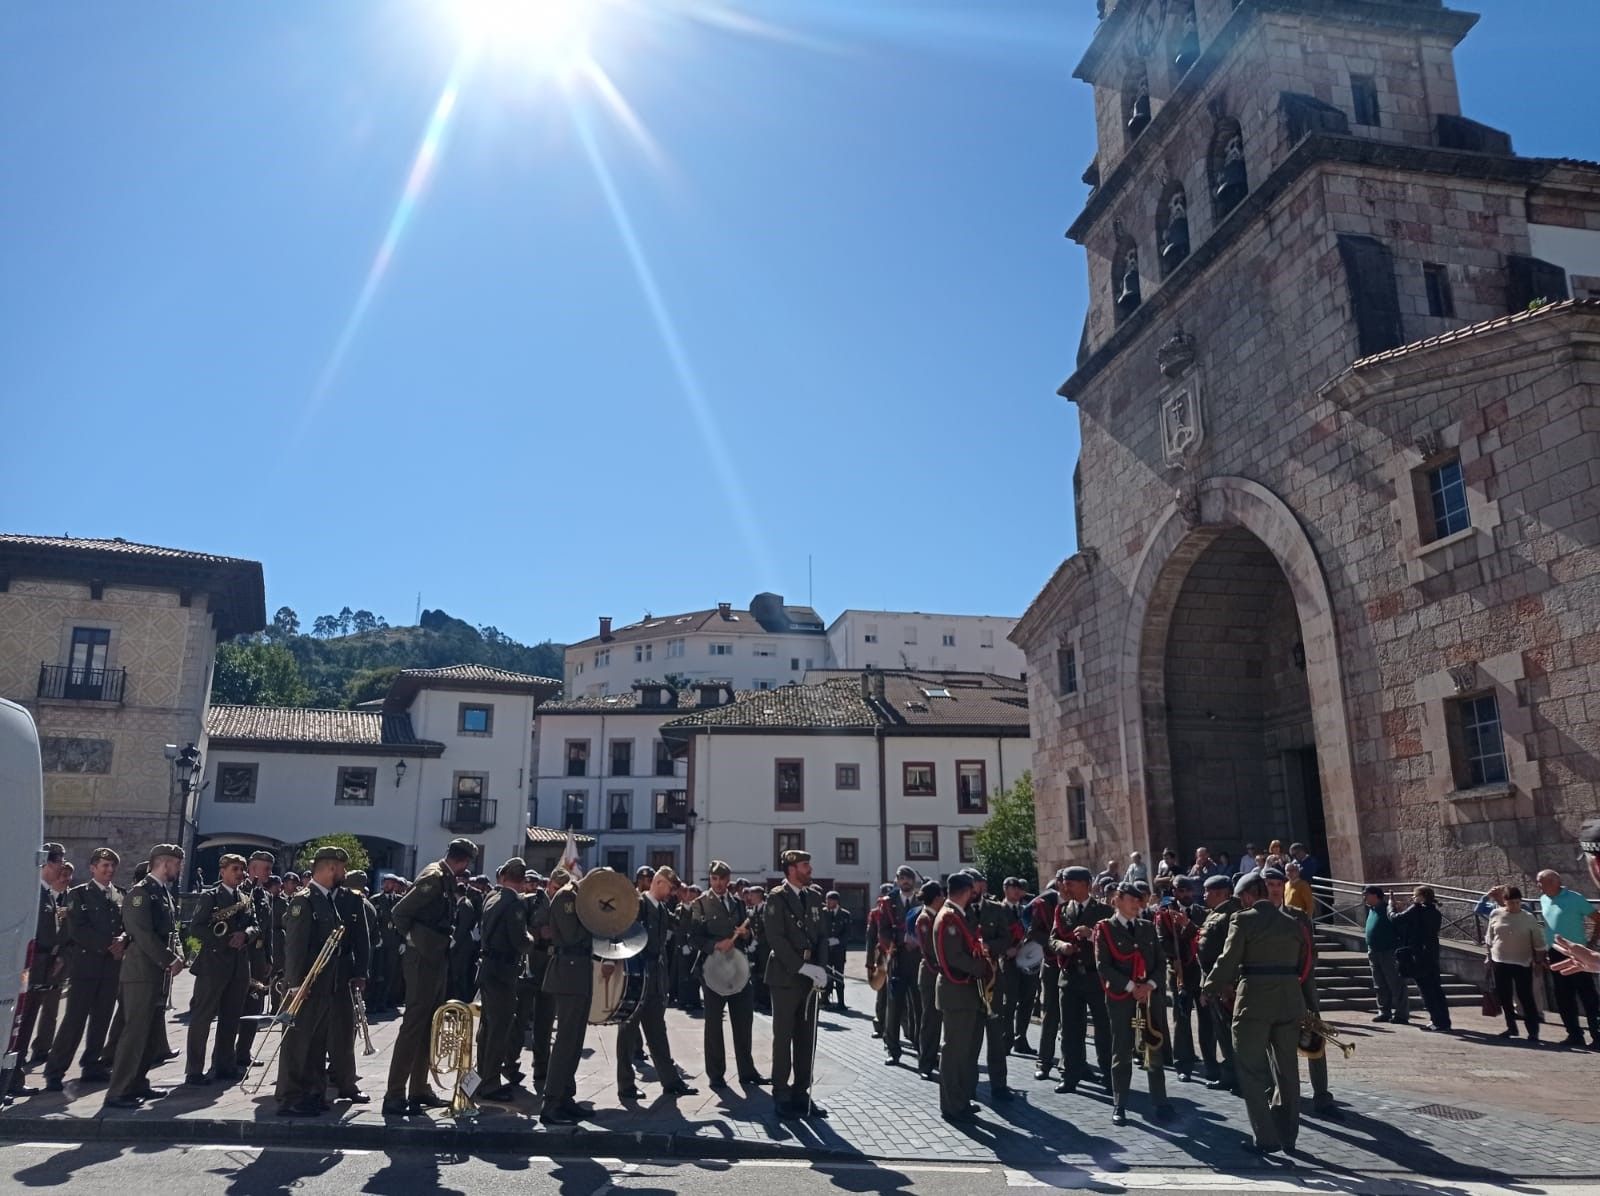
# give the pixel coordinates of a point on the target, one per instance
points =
(549, 38)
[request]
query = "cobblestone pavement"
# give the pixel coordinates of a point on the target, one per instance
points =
(1414, 1103)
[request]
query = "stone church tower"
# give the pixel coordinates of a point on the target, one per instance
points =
(1338, 502)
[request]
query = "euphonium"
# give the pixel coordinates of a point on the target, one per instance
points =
(450, 1051)
(1316, 1034)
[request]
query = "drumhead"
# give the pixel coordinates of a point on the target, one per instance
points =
(1030, 956)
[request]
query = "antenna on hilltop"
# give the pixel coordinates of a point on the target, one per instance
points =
(810, 596)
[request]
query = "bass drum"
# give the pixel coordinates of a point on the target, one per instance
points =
(618, 998)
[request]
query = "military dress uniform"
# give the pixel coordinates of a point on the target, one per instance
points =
(94, 924)
(1000, 928)
(1266, 955)
(1082, 1000)
(932, 1023)
(1321, 1093)
(279, 929)
(51, 996)
(1128, 953)
(1192, 1022)
(1041, 918)
(836, 931)
(262, 966)
(464, 936)
(569, 981)
(960, 1004)
(44, 977)
(423, 918)
(503, 949)
(713, 919)
(221, 980)
(759, 950)
(650, 1022)
(1208, 949)
(536, 1010)
(359, 920)
(793, 919)
(314, 914)
(149, 919)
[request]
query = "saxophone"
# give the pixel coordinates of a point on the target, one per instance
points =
(221, 917)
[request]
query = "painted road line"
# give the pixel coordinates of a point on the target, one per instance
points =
(1298, 1181)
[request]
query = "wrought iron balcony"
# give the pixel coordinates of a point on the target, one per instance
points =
(81, 685)
(468, 815)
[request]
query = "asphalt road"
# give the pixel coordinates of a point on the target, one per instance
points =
(248, 1171)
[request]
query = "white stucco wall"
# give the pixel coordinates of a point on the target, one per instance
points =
(980, 644)
(746, 668)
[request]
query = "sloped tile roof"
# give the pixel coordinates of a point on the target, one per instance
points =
(480, 677)
(917, 700)
(120, 546)
(544, 834)
(476, 672)
(290, 727)
(836, 703)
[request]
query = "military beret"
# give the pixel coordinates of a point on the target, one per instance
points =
(959, 882)
(1078, 873)
(794, 856)
(560, 875)
(1271, 873)
(230, 858)
(516, 867)
(104, 853)
(833, 895)
(1217, 882)
(263, 855)
(1141, 887)
(1014, 882)
(976, 876)
(930, 890)
(1248, 883)
(1127, 888)
(461, 849)
(719, 868)
(330, 852)
(535, 877)
(274, 879)
(165, 851)
(69, 866)
(1589, 837)
(905, 870)
(54, 853)
(294, 876)
(885, 890)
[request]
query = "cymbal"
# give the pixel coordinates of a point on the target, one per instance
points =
(625, 947)
(607, 903)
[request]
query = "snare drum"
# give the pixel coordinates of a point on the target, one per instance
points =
(1030, 957)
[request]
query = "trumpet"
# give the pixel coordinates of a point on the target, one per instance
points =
(1316, 1034)
(362, 1028)
(450, 1048)
(221, 917)
(1147, 1039)
(991, 977)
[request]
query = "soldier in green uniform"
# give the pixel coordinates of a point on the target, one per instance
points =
(1265, 960)
(930, 1025)
(836, 928)
(650, 1022)
(717, 922)
(755, 903)
(314, 914)
(383, 992)
(793, 918)
(261, 963)
(1000, 928)
(962, 971)
(1083, 1002)
(424, 918)
(536, 1012)
(48, 966)
(153, 956)
(360, 929)
(1130, 964)
(1322, 1102)
(224, 921)
(502, 951)
(1041, 918)
(94, 950)
(1221, 905)
(569, 981)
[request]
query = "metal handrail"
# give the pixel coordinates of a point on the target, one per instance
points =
(1468, 924)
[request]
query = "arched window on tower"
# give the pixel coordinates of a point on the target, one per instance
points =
(1125, 276)
(1230, 182)
(1172, 226)
(1185, 41)
(1136, 101)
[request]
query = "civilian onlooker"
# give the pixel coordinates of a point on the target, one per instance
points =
(1310, 866)
(1136, 870)
(1113, 870)
(1394, 1002)
(1276, 856)
(1224, 865)
(1580, 958)
(1516, 945)
(1297, 893)
(1169, 864)
(1567, 914)
(1204, 865)
(1419, 925)
(1248, 861)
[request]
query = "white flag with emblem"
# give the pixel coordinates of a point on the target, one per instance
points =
(569, 856)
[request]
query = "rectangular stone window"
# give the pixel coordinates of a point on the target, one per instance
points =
(1067, 666)
(919, 780)
(972, 787)
(1077, 813)
(619, 859)
(786, 840)
(474, 720)
(967, 847)
(1364, 100)
(847, 776)
(356, 787)
(922, 842)
(671, 808)
(789, 781)
(663, 759)
(1436, 281)
(846, 851)
(577, 757)
(622, 757)
(236, 782)
(1374, 293)
(1447, 511)
(572, 809)
(1477, 742)
(621, 812)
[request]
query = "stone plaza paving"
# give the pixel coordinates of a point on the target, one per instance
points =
(1462, 1106)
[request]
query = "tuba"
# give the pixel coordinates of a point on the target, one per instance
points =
(1316, 1034)
(450, 1051)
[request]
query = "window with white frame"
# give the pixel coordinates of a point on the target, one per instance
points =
(948, 639)
(643, 653)
(967, 847)
(986, 638)
(972, 787)
(922, 842)
(765, 648)
(1477, 747)
(1446, 512)
(602, 659)
(573, 803)
(674, 649)
(919, 779)
(620, 814)
(722, 649)
(910, 635)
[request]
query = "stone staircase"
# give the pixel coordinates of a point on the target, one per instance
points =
(1344, 982)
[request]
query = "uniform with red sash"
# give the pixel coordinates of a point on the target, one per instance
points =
(1127, 954)
(1082, 1001)
(959, 954)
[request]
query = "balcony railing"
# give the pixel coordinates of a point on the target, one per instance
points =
(81, 685)
(468, 815)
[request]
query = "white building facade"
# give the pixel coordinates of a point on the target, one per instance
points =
(449, 754)
(895, 639)
(769, 645)
(865, 772)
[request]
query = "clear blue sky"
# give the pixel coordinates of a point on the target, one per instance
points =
(819, 306)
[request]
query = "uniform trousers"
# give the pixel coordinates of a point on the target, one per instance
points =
(1083, 1003)
(535, 1019)
(90, 1002)
(650, 1024)
(572, 1023)
(220, 987)
(958, 1061)
(741, 1017)
(1265, 1062)
(342, 1042)
(143, 1042)
(498, 1048)
(1049, 987)
(425, 985)
(794, 1020)
(303, 1061)
(932, 1021)
(1124, 1049)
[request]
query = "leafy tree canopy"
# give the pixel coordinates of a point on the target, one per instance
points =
(1007, 844)
(258, 674)
(359, 860)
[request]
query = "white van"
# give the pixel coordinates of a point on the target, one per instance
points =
(21, 852)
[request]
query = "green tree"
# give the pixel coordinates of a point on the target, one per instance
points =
(325, 626)
(359, 860)
(285, 625)
(257, 674)
(367, 684)
(1007, 843)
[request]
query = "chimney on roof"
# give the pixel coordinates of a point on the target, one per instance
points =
(605, 628)
(714, 693)
(725, 609)
(872, 686)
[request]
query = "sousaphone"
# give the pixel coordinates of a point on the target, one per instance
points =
(607, 903)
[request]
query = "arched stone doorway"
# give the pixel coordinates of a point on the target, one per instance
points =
(1233, 699)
